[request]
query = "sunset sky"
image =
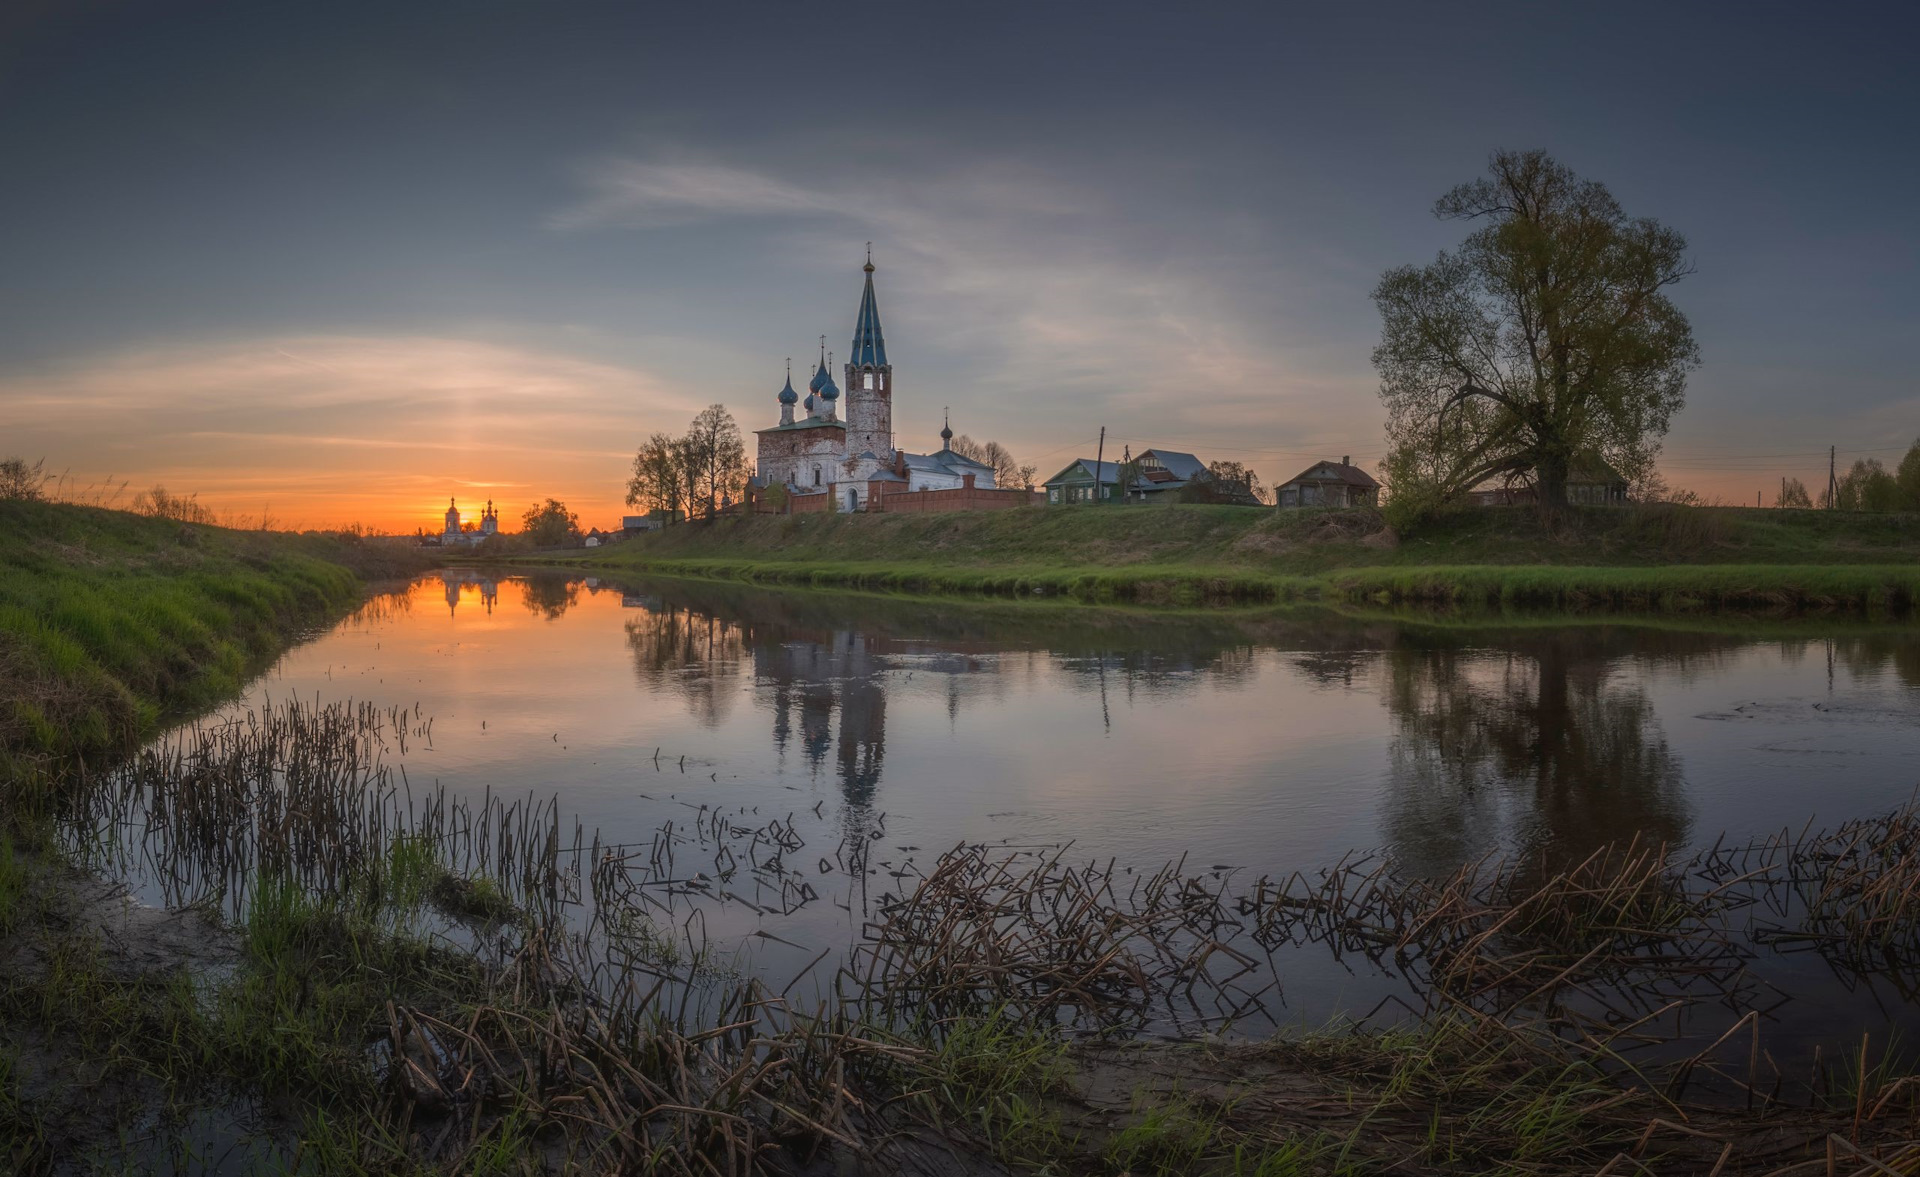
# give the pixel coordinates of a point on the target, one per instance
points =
(339, 262)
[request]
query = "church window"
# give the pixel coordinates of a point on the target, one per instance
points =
(816, 476)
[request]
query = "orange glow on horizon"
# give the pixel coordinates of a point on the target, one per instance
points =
(330, 431)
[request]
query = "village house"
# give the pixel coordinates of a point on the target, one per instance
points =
(820, 462)
(1158, 474)
(1591, 482)
(1082, 480)
(1329, 484)
(1154, 476)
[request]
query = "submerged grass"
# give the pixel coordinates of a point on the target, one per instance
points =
(360, 1039)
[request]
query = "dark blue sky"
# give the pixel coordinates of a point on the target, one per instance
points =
(340, 256)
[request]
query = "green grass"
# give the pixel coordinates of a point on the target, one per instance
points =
(110, 622)
(1648, 559)
(1669, 589)
(996, 1076)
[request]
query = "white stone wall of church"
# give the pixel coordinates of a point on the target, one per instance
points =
(805, 458)
(932, 480)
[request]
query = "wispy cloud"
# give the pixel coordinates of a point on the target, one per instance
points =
(1065, 311)
(630, 192)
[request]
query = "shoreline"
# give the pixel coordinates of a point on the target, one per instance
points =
(1645, 560)
(262, 1018)
(1869, 590)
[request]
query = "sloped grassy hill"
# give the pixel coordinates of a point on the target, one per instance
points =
(110, 620)
(1192, 553)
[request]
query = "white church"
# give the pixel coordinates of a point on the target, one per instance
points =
(453, 535)
(853, 459)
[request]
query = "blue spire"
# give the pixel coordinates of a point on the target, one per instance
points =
(869, 347)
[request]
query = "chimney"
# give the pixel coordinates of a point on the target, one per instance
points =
(1346, 459)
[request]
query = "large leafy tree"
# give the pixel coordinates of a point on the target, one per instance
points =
(550, 524)
(1546, 335)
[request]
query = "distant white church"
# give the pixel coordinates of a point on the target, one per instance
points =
(855, 458)
(489, 525)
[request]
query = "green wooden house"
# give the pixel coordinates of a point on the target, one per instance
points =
(1081, 479)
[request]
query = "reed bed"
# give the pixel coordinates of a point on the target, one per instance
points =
(469, 986)
(1023, 933)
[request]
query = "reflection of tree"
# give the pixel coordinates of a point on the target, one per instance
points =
(1542, 740)
(384, 604)
(1867, 656)
(694, 655)
(549, 596)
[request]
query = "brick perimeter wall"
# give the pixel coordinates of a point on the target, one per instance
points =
(959, 499)
(885, 497)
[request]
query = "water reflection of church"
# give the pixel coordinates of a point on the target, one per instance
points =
(810, 680)
(459, 580)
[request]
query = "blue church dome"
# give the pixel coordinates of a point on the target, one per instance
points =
(828, 389)
(820, 377)
(787, 394)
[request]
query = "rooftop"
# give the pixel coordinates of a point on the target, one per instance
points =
(1334, 472)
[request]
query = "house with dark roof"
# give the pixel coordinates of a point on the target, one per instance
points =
(1084, 481)
(1591, 482)
(1152, 476)
(1164, 470)
(1329, 484)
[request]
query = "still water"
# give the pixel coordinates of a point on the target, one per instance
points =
(1268, 742)
(1250, 743)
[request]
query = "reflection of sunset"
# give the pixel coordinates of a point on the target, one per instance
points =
(1266, 738)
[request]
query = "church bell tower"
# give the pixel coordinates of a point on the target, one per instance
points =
(869, 380)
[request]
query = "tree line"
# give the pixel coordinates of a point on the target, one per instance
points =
(703, 471)
(1868, 486)
(1007, 472)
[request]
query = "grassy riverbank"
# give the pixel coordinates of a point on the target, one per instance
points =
(304, 1004)
(1640, 559)
(109, 621)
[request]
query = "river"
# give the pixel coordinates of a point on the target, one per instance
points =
(1248, 744)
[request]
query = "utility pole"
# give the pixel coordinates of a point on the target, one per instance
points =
(1097, 454)
(1126, 460)
(1831, 485)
